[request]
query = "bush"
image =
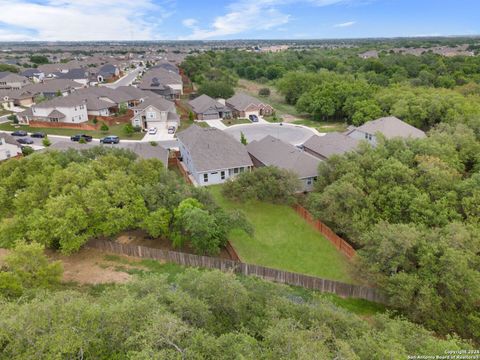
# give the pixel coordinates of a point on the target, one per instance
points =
(128, 129)
(264, 92)
(13, 118)
(153, 143)
(46, 142)
(95, 120)
(265, 184)
(27, 150)
(82, 141)
(104, 128)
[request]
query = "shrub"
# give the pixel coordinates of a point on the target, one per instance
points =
(265, 184)
(27, 150)
(104, 128)
(153, 143)
(128, 129)
(264, 92)
(46, 142)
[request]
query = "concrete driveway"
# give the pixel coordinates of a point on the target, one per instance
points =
(217, 123)
(293, 134)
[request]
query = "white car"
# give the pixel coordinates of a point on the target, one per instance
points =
(152, 131)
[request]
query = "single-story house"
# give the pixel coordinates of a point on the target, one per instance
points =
(12, 81)
(9, 147)
(156, 112)
(65, 109)
(79, 75)
(333, 143)
(243, 105)
(163, 82)
(206, 108)
(390, 127)
(107, 72)
(271, 151)
(211, 155)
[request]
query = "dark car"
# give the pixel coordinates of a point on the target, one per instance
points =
(39, 135)
(110, 140)
(171, 129)
(77, 137)
(19, 133)
(25, 141)
(253, 118)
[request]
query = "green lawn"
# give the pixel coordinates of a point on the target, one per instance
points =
(230, 122)
(113, 130)
(283, 240)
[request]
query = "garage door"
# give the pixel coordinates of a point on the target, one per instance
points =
(210, 116)
(248, 113)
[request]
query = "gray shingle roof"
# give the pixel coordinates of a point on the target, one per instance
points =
(56, 114)
(240, 101)
(274, 152)
(52, 86)
(9, 139)
(212, 149)
(391, 127)
(11, 77)
(205, 102)
(158, 102)
(333, 143)
(67, 101)
(159, 78)
(72, 74)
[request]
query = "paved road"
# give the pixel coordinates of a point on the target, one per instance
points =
(167, 144)
(125, 80)
(293, 134)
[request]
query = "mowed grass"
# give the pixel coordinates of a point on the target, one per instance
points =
(283, 240)
(113, 130)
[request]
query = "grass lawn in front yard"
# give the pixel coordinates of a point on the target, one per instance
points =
(283, 240)
(113, 130)
(230, 122)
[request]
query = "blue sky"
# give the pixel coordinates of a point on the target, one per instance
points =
(234, 19)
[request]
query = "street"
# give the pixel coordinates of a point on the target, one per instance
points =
(125, 80)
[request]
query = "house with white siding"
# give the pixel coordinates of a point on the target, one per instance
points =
(68, 109)
(211, 155)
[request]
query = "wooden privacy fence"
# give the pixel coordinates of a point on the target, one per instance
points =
(280, 276)
(341, 245)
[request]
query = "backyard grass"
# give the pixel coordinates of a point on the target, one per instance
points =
(113, 130)
(283, 240)
(230, 122)
(322, 126)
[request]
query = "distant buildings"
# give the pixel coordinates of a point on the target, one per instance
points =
(11, 81)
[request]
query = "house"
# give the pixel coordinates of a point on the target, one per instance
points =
(243, 105)
(6, 101)
(211, 155)
(53, 88)
(163, 82)
(9, 80)
(107, 73)
(167, 66)
(78, 75)
(21, 97)
(271, 151)
(390, 127)
(156, 112)
(334, 143)
(66, 109)
(206, 108)
(33, 75)
(9, 147)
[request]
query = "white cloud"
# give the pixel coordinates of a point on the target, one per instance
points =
(66, 20)
(246, 15)
(345, 24)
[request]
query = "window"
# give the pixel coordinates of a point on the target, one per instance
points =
(309, 181)
(222, 175)
(8, 154)
(151, 115)
(242, 170)
(235, 171)
(205, 177)
(366, 136)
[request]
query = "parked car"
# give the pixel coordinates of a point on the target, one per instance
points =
(19, 133)
(152, 131)
(253, 118)
(39, 135)
(77, 137)
(25, 141)
(110, 140)
(171, 129)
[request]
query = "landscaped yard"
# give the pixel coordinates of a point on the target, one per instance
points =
(230, 122)
(283, 240)
(322, 126)
(113, 130)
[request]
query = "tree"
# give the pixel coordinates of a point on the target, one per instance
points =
(191, 116)
(216, 89)
(27, 267)
(7, 67)
(122, 109)
(58, 93)
(39, 59)
(104, 128)
(243, 139)
(157, 223)
(128, 129)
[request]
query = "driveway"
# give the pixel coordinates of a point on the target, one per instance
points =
(217, 123)
(293, 134)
